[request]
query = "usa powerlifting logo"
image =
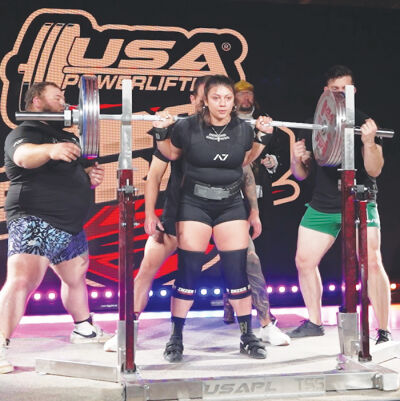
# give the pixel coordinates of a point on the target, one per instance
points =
(162, 62)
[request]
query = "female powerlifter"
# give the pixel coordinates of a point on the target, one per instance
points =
(214, 144)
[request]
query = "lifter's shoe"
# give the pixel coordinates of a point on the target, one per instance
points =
(252, 346)
(229, 314)
(5, 366)
(174, 349)
(88, 333)
(307, 329)
(383, 336)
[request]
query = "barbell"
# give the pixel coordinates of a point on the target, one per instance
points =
(328, 126)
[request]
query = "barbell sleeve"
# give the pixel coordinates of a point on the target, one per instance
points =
(30, 115)
(382, 132)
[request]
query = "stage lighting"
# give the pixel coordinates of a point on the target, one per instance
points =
(332, 287)
(94, 294)
(37, 296)
(269, 290)
(203, 291)
(295, 288)
(217, 291)
(282, 289)
(151, 293)
(108, 294)
(51, 296)
(163, 293)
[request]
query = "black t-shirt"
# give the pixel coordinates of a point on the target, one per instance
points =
(58, 192)
(213, 155)
(326, 195)
(173, 188)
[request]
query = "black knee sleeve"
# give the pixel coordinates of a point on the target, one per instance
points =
(189, 270)
(234, 270)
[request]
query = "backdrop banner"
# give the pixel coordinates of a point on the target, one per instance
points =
(283, 50)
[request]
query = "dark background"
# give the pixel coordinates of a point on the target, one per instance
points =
(290, 46)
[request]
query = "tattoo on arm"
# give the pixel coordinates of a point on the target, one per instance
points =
(249, 187)
(259, 295)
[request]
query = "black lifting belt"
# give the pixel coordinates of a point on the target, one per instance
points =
(207, 191)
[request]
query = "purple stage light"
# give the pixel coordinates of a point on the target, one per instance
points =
(282, 289)
(108, 294)
(269, 290)
(203, 291)
(332, 287)
(151, 293)
(295, 288)
(163, 293)
(94, 294)
(51, 296)
(37, 296)
(217, 291)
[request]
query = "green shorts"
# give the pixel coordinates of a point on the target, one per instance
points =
(331, 223)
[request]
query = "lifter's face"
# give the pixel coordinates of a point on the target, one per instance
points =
(220, 102)
(339, 84)
(51, 100)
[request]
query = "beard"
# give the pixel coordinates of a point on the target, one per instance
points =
(47, 108)
(245, 108)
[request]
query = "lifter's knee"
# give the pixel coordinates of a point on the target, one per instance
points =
(234, 268)
(189, 270)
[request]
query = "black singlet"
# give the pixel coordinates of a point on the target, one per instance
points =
(212, 155)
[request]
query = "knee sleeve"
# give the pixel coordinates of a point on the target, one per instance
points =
(189, 270)
(234, 270)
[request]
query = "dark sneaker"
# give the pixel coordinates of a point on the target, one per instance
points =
(307, 329)
(383, 336)
(229, 314)
(174, 350)
(252, 346)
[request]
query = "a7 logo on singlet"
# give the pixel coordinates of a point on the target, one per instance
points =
(222, 156)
